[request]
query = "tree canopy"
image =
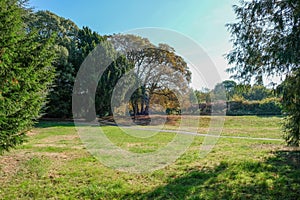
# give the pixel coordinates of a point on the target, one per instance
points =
(157, 69)
(266, 42)
(266, 38)
(65, 32)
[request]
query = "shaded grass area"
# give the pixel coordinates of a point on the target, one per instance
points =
(276, 177)
(53, 164)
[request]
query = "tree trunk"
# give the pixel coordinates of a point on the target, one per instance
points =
(147, 101)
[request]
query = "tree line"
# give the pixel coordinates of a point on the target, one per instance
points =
(239, 99)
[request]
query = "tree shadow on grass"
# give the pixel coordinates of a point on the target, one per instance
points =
(277, 177)
(57, 123)
(106, 121)
(270, 116)
(181, 187)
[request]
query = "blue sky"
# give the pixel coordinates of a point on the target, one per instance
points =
(201, 20)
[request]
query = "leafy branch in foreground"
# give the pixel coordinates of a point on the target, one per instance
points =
(266, 42)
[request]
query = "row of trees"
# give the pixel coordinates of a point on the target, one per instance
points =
(41, 54)
(241, 99)
(72, 45)
(231, 91)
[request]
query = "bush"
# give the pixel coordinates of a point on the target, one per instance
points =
(270, 106)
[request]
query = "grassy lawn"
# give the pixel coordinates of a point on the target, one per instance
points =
(244, 126)
(54, 164)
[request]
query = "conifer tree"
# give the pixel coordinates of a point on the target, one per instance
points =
(25, 73)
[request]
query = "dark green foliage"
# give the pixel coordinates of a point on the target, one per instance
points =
(290, 90)
(219, 92)
(65, 32)
(253, 93)
(88, 42)
(266, 41)
(107, 84)
(25, 74)
(229, 87)
(265, 107)
(238, 108)
(72, 46)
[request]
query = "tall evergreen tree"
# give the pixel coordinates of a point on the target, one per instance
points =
(65, 31)
(25, 74)
(88, 40)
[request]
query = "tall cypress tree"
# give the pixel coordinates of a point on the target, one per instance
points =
(25, 74)
(60, 96)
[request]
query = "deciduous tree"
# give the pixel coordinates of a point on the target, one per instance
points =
(157, 68)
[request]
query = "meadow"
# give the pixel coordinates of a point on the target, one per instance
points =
(54, 164)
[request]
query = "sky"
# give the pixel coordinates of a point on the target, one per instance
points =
(203, 21)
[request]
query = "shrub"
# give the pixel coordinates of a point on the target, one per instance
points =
(269, 106)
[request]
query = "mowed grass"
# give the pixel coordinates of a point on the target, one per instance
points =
(242, 126)
(54, 164)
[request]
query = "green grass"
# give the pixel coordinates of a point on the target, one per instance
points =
(54, 164)
(245, 126)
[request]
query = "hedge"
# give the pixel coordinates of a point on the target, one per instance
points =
(271, 106)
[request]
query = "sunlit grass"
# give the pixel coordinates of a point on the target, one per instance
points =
(54, 164)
